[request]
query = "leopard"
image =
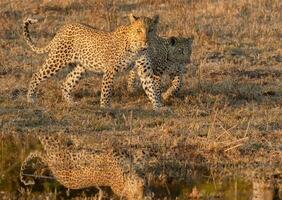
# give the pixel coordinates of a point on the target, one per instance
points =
(168, 56)
(78, 167)
(88, 48)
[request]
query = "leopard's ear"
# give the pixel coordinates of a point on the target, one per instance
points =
(172, 40)
(132, 17)
(156, 19)
(191, 38)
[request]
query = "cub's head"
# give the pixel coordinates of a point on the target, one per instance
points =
(180, 49)
(140, 31)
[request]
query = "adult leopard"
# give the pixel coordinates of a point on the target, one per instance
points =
(92, 49)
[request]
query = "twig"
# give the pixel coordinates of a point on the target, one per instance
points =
(233, 147)
(37, 176)
(242, 139)
(226, 131)
(214, 117)
(247, 130)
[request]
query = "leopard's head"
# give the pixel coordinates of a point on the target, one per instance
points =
(140, 31)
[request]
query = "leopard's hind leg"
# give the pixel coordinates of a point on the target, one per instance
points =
(71, 82)
(53, 64)
(27, 164)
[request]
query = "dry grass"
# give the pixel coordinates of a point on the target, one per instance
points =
(229, 111)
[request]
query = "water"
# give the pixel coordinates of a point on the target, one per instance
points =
(201, 183)
(202, 187)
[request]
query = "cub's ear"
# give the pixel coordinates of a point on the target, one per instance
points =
(156, 19)
(172, 40)
(132, 17)
(191, 39)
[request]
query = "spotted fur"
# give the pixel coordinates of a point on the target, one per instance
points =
(96, 50)
(169, 56)
(77, 167)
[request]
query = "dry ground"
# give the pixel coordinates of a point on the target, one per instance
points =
(230, 110)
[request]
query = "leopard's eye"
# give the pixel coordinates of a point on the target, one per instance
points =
(181, 51)
(139, 30)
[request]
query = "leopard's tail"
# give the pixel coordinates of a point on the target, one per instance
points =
(39, 50)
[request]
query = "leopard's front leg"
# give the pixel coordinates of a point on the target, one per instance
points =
(177, 83)
(158, 83)
(131, 82)
(146, 75)
(107, 87)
